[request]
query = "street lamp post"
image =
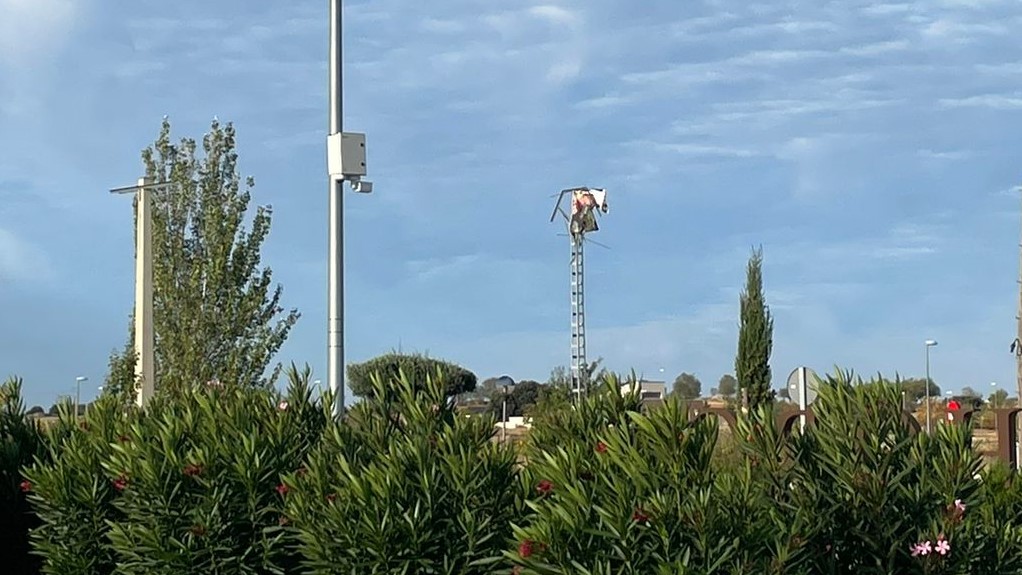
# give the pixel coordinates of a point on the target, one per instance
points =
(928, 344)
(78, 393)
(345, 161)
(145, 371)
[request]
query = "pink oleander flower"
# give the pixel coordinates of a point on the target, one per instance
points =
(282, 406)
(959, 506)
(923, 548)
(943, 547)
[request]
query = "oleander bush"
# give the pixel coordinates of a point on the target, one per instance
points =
(405, 485)
(71, 494)
(231, 480)
(21, 441)
(191, 486)
(614, 490)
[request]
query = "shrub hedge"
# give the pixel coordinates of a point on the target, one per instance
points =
(228, 480)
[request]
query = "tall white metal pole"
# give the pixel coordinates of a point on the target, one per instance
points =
(335, 271)
(1018, 356)
(144, 339)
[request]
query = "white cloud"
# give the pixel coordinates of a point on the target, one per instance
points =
(771, 57)
(1001, 69)
(441, 26)
(569, 53)
(765, 110)
(876, 48)
(599, 102)
(21, 261)
(849, 258)
(555, 15)
(752, 64)
(953, 30)
(31, 30)
(704, 150)
(945, 154)
(994, 101)
(821, 164)
(568, 69)
(700, 25)
(794, 27)
(881, 9)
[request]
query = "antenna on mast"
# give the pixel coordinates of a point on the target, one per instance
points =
(580, 219)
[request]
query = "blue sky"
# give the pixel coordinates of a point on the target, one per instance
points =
(868, 146)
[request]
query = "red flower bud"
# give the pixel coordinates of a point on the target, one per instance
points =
(525, 549)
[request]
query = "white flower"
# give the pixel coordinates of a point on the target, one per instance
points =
(282, 405)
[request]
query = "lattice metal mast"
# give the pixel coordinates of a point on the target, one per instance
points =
(585, 203)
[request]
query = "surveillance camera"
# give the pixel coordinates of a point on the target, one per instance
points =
(362, 186)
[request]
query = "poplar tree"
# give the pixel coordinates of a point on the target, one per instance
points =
(216, 313)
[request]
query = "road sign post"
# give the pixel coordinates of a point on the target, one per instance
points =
(802, 387)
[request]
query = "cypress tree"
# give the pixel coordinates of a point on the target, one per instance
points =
(755, 337)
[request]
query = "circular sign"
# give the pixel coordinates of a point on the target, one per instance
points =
(808, 376)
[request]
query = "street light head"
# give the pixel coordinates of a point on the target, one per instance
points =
(135, 188)
(931, 342)
(81, 378)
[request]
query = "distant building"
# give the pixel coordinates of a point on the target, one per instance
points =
(648, 390)
(515, 422)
